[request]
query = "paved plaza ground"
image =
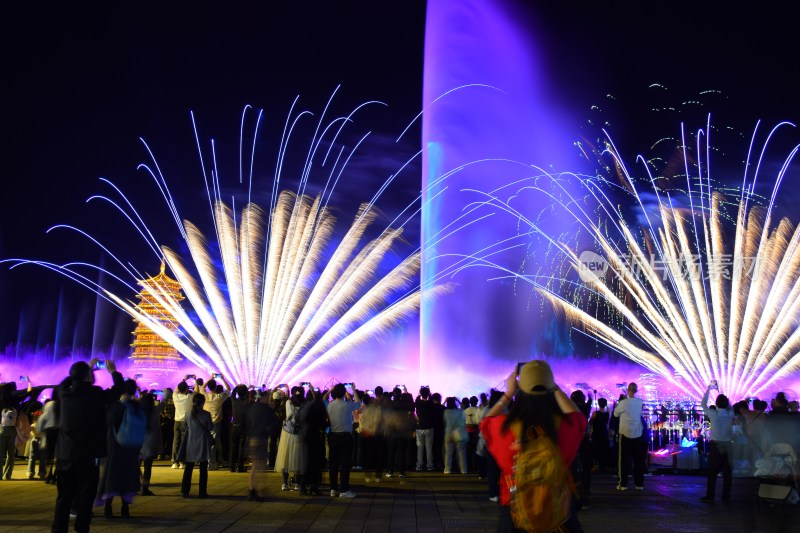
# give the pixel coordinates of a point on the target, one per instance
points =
(425, 502)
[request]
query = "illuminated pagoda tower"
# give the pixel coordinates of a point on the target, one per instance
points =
(153, 357)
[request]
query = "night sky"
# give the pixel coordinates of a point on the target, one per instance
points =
(82, 85)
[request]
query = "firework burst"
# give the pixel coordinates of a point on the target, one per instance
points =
(273, 296)
(697, 288)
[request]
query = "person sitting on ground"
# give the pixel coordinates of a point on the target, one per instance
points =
(537, 408)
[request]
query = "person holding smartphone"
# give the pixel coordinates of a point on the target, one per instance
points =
(82, 441)
(215, 397)
(719, 447)
(537, 408)
(340, 413)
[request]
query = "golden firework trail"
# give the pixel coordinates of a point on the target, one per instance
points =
(273, 297)
(695, 294)
(283, 311)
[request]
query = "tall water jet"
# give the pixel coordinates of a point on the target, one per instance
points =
(489, 118)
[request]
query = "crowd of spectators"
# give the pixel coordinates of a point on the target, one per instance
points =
(73, 440)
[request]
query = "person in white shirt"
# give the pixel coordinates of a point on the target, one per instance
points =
(632, 442)
(721, 420)
(182, 399)
(213, 406)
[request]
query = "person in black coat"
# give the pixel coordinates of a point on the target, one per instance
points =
(313, 419)
(258, 423)
(239, 402)
(81, 441)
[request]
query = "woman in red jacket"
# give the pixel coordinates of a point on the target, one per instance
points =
(535, 401)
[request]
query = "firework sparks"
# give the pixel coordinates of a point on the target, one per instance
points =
(272, 296)
(695, 294)
(274, 321)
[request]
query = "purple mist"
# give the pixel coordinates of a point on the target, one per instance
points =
(472, 338)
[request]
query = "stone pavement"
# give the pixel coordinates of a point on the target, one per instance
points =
(425, 502)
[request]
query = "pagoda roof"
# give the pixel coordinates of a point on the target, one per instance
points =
(160, 279)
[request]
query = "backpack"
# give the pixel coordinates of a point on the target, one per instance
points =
(540, 486)
(9, 417)
(133, 429)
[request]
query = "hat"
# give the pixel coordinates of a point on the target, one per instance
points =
(536, 374)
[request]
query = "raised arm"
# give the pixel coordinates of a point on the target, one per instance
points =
(704, 401)
(511, 389)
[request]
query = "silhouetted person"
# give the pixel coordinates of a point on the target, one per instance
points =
(81, 441)
(632, 442)
(719, 447)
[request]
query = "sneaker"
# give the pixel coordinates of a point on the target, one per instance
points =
(175, 466)
(430, 469)
(284, 486)
(334, 493)
(446, 471)
(358, 468)
(402, 474)
(494, 499)
(347, 494)
(419, 468)
(388, 474)
(620, 487)
(182, 466)
(639, 488)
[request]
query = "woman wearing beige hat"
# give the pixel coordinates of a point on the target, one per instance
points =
(535, 404)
